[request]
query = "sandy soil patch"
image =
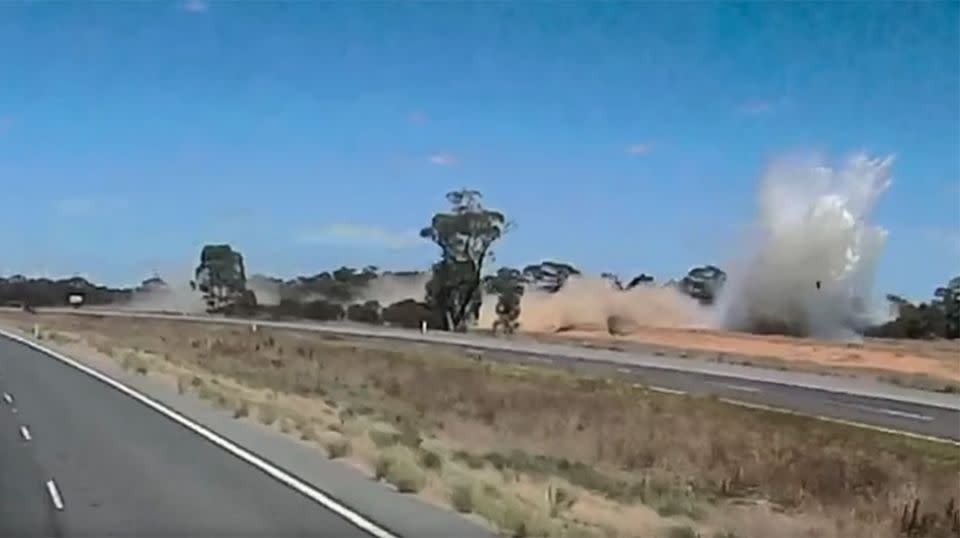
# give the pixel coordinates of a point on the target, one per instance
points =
(937, 360)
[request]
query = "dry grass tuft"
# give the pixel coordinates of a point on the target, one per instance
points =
(337, 448)
(267, 414)
(398, 465)
(461, 497)
(609, 443)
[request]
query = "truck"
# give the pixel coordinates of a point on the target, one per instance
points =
(75, 299)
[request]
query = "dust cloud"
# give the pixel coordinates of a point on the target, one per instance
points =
(266, 291)
(809, 270)
(390, 288)
(177, 296)
(593, 304)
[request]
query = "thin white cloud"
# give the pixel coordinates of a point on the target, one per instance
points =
(639, 149)
(361, 235)
(443, 159)
(756, 108)
(418, 117)
(86, 206)
(762, 107)
(195, 6)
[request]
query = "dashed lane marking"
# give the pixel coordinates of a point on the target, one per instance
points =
(55, 497)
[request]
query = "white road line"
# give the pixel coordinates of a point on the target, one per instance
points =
(25, 433)
(761, 375)
(887, 411)
(852, 423)
(227, 445)
(7, 398)
(761, 407)
(741, 388)
(665, 390)
(55, 497)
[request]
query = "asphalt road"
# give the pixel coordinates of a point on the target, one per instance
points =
(878, 412)
(860, 400)
(78, 458)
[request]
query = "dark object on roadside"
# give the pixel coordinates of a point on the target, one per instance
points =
(243, 306)
(323, 311)
(621, 325)
(411, 314)
(368, 312)
(818, 284)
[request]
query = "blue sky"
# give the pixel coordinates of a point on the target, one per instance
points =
(624, 137)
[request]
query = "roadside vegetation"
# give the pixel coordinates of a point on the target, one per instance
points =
(449, 295)
(543, 452)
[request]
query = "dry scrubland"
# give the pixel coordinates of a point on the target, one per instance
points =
(541, 452)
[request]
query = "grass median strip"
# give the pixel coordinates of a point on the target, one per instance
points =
(537, 451)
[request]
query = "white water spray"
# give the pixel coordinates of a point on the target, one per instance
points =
(810, 264)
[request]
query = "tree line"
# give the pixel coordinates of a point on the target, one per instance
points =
(937, 318)
(465, 234)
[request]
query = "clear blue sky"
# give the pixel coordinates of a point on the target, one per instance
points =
(625, 137)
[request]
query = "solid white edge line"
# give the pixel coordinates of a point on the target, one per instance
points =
(665, 390)
(274, 472)
(573, 353)
(437, 338)
(852, 423)
(25, 433)
(54, 494)
(888, 411)
(741, 388)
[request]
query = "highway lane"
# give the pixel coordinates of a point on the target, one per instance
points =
(852, 399)
(932, 421)
(122, 469)
(25, 507)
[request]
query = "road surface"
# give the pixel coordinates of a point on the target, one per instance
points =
(858, 400)
(78, 458)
